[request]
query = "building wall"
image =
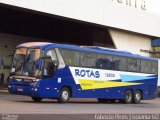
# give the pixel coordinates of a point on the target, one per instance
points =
(113, 13)
(130, 41)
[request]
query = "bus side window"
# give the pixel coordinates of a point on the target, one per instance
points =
(102, 63)
(87, 59)
(154, 67)
(116, 64)
(53, 55)
(132, 65)
(119, 63)
(145, 66)
(71, 57)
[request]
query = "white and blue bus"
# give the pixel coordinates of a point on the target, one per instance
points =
(58, 71)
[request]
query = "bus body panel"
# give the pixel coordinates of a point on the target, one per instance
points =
(90, 87)
(86, 82)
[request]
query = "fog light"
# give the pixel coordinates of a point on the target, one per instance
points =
(47, 88)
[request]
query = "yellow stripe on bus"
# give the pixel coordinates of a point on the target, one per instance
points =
(97, 84)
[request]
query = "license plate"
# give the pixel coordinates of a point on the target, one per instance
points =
(20, 90)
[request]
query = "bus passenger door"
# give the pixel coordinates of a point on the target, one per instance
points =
(50, 63)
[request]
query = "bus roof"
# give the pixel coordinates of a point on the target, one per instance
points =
(34, 44)
(95, 49)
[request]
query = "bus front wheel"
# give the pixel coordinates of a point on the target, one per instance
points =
(128, 97)
(64, 95)
(36, 99)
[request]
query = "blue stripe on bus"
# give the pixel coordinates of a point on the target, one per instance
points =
(127, 78)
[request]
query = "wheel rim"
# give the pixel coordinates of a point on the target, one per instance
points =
(138, 96)
(65, 95)
(128, 98)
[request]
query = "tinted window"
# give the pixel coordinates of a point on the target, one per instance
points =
(133, 65)
(87, 59)
(145, 66)
(52, 54)
(70, 57)
(104, 61)
(109, 62)
(154, 67)
(119, 63)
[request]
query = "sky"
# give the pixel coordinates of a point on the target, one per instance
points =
(153, 6)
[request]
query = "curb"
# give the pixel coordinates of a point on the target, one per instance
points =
(4, 91)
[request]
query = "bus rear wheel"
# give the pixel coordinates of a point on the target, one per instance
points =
(36, 99)
(128, 97)
(137, 97)
(64, 95)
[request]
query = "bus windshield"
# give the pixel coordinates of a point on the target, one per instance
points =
(25, 62)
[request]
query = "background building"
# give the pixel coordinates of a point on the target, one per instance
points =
(120, 24)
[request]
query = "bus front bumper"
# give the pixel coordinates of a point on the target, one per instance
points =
(33, 91)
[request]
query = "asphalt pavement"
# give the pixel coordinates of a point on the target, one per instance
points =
(24, 106)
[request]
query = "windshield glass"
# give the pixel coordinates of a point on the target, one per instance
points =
(25, 62)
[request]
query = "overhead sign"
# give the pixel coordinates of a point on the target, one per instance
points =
(134, 3)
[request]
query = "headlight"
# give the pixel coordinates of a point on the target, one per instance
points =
(36, 80)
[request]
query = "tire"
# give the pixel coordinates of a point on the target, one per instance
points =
(128, 97)
(36, 99)
(137, 97)
(64, 95)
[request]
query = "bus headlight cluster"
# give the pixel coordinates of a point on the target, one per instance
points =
(36, 80)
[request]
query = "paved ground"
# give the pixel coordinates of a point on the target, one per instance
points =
(24, 105)
(77, 109)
